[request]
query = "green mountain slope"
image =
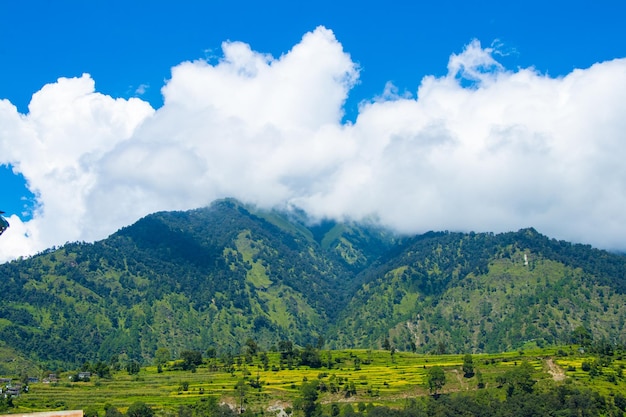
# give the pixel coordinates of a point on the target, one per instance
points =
(182, 280)
(484, 292)
(217, 276)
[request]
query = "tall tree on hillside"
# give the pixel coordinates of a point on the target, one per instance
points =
(582, 336)
(139, 409)
(241, 388)
(161, 356)
(191, 359)
(211, 352)
(468, 366)
(307, 402)
(110, 411)
(133, 367)
(102, 370)
(386, 344)
(518, 379)
(310, 356)
(436, 379)
(329, 359)
(251, 346)
(320, 342)
(286, 348)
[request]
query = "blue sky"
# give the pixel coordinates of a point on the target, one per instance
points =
(127, 44)
(129, 48)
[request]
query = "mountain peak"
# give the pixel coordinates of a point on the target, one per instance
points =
(218, 275)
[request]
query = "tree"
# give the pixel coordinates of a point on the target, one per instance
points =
(102, 370)
(110, 411)
(252, 346)
(436, 379)
(320, 342)
(90, 411)
(479, 379)
(286, 349)
(307, 402)
(207, 406)
(6, 403)
(620, 401)
(24, 378)
(265, 360)
(518, 379)
(211, 353)
(114, 362)
(191, 359)
(348, 410)
(133, 367)
(468, 366)
(139, 409)
(161, 356)
(310, 357)
(349, 389)
(582, 336)
(386, 344)
(240, 390)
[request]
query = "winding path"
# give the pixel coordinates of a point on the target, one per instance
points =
(554, 370)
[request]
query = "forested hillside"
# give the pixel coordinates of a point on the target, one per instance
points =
(208, 277)
(215, 277)
(452, 292)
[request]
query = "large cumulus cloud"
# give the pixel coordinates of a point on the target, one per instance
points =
(483, 148)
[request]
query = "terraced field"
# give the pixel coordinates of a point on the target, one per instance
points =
(355, 376)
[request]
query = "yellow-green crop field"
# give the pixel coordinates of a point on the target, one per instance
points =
(377, 376)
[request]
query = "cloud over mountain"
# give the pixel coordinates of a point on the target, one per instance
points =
(483, 148)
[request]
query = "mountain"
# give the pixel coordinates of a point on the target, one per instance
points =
(483, 292)
(207, 277)
(216, 276)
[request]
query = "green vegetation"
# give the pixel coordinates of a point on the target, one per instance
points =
(544, 380)
(436, 379)
(482, 292)
(216, 277)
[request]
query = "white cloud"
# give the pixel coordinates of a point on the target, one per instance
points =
(482, 148)
(58, 146)
(141, 90)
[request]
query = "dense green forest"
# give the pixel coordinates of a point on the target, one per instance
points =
(216, 276)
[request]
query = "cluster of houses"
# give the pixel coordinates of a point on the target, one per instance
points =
(81, 376)
(52, 378)
(10, 389)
